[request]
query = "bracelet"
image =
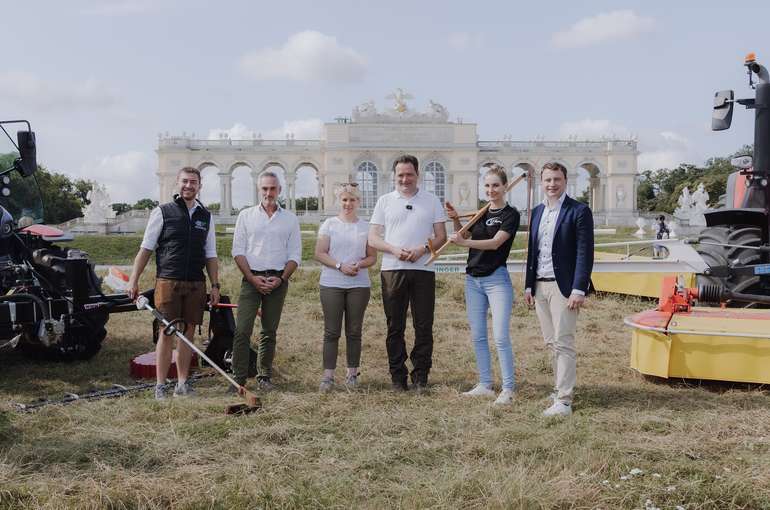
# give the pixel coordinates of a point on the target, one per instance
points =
(282, 280)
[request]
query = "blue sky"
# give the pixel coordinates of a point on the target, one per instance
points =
(100, 79)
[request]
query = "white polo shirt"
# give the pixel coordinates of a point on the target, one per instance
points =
(267, 242)
(408, 222)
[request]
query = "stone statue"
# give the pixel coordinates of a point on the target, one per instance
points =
(400, 97)
(640, 222)
(437, 111)
(700, 198)
(620, 197)
(692, 206)
(365, 111)
(99, 210)
(464, 193)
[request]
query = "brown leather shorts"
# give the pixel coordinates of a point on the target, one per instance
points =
(180, 299)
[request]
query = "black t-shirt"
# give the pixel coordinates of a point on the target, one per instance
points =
(484, 262)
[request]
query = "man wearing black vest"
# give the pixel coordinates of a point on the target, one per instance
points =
(181, 233)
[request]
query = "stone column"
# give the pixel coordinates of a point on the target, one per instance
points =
(593, 194)
(254, 186)
(225, 194)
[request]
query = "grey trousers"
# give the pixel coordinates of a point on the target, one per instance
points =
(336, 303)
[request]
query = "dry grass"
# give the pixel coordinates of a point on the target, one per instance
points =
(698, 447)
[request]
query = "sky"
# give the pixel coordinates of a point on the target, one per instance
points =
(99, 80)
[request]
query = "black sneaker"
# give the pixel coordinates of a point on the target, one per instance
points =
(399, 386)
(420, 386)
(266, 385)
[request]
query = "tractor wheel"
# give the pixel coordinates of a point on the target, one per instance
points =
(738, 235)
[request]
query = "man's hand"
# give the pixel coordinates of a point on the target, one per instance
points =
(133, 290)
(451, 212)
(349, 269)
(414, 254)
(400, 253)
(214, 294)
(274, 282)
(260, 283)
(458, 239)
(529, 299)
(575, 301)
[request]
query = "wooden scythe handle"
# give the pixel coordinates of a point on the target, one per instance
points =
(476, 217)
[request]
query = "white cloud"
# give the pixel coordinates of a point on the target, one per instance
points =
(465, 40)
(237, 132)
(306, 56)
(29, 91)
(591, 129)
(604, 27)
(302, 129)
(128, 176)
(666, 149)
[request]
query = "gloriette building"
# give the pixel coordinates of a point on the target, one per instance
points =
(362, 149)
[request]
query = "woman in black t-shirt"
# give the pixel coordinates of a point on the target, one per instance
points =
(488, 285)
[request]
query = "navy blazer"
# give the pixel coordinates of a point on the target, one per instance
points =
(573, 247)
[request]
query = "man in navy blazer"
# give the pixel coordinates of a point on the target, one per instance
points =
(560, 257)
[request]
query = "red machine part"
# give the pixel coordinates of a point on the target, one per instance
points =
(675, 297)
(143, 366)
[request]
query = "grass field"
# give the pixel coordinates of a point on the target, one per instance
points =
(697, 447)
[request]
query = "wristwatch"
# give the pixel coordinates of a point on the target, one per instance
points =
(216, 286)
(338, 265)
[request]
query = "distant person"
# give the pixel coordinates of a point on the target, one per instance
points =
(560, 257)
(181, 233)
(663, 232)
(343, 249)
(488, 284)
(400, 226)
(267, 250)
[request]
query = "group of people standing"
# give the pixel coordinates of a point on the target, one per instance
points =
(267, 251)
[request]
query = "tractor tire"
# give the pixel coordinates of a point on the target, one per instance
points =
(740, 235)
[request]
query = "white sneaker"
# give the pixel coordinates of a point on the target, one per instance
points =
(480, 391)
(558, 409)
(504, 398)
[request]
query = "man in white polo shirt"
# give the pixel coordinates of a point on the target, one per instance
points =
(400, 226)
(267, 250)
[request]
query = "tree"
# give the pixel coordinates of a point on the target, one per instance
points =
(62, 198)
(214, 207)
(145, 203)
(121, 207)
(306, 204)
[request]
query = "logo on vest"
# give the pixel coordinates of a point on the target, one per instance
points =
(201, 225)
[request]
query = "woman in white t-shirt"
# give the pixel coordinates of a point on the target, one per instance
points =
(343, 250)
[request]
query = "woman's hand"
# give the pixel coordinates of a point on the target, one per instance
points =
(458, 239)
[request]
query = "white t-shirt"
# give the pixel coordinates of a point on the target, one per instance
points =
(347, 244)
(408, 223)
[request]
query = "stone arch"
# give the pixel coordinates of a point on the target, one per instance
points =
(238, 183)
(306, 185)
(211, 192)
(590, 185)
(522, 195)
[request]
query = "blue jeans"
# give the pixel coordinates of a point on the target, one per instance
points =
(495, 293)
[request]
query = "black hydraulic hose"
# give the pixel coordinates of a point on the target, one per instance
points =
(30, 297)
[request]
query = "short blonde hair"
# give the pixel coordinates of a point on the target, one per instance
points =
(347, 187)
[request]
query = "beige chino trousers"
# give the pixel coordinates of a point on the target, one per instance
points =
(559, 324)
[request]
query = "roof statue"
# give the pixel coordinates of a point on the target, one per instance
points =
(400, 113)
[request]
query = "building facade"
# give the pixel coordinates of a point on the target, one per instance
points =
(452, 159)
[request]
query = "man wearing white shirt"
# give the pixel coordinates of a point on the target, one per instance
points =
(182, 235)
(559, 261)
(267, 249)
(400, 226)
